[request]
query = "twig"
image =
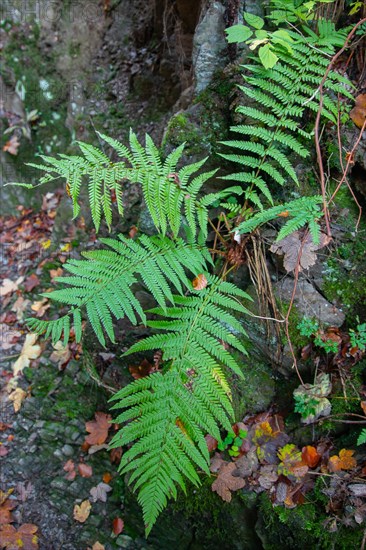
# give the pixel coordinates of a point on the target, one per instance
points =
(317, 125)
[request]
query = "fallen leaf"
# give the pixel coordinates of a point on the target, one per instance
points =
(143, 369)
(25, 537)
(291, 464)
(268, 476)
(19, 306)
(226, 482)
(41, 307)
(115, 455)
(298, 248)
(363, 406)
(82, 511)
(98, 546)
(17, 397)
(12, 145)
(94, 448)
(211, 443)
(61, 355)
(107, 477)
(9, 286)
(3, 450)
(5, 512)
(56, 272)
(69, 467)
(310, 456)
(24, 490)
(99, 492)
(200, 282)
(85, 470)
(358, 113)
(8, 337)
(118, 526)
(29, 351)
(31, 282)
(98, 429)
(347, 460)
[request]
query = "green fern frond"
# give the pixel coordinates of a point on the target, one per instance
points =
(166, 189)
(300, 212)
(171, 413)
(272, 122)
(102, 283)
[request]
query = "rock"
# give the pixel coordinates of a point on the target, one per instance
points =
(309, 302)
(67, 450)
(256, 391)
(209, 46)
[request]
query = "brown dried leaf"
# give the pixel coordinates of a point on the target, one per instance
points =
(358, 113)
(5, 512)
(25, 537)
(8, 286)
(61, 355)
(12, 145)
(143, 369)
(200, 282)
(31, 282)
(310, 456)
(19, 306)
(226, 482)
(98, 429)
(298, 247)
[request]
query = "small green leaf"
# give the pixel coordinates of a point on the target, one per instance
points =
(243, 433)
(254, 20)
(238, 441)
(238, 33)
(267, 56)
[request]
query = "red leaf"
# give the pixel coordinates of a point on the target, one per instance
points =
(211, 443)
(118, 526)
(31, 282)
(85, 470)
(98, 429)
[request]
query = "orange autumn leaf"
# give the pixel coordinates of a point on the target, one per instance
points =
(107, 477)
(347, 460)
(200, 282)
(310, 456)
(344, 461)
(358, 113)
(5, 512)
(283, 214)
(12, 145)
(363, 406)
(98, 429)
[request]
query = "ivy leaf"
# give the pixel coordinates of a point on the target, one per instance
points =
(253, 20)
(267, 56)
(226, 482)
(238, 33)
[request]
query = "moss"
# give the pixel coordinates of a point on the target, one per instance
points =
(303, 527)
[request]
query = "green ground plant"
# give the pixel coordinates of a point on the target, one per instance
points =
(166, 415)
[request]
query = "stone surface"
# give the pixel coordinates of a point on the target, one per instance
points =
(309, 302)
(209, 46)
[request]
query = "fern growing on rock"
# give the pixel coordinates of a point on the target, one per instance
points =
(273, 130)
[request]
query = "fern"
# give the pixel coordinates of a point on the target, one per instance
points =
(269, 136)
(362, 437)
(101, 284)
(300, 212)
(169, 414)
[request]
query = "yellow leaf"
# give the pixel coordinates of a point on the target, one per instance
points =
(29, 351)
(17, 397)
(82, 511)
(200, 282)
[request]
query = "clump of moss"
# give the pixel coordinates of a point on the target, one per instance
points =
(304, 527)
